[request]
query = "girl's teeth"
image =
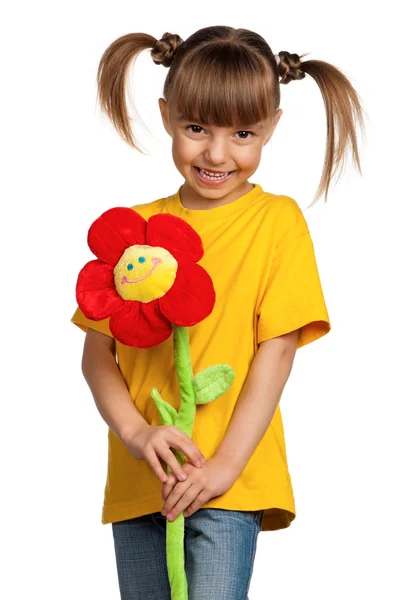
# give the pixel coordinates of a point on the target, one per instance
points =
(207, 175)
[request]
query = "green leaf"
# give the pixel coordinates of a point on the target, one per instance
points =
(168, 413)
(212, 383)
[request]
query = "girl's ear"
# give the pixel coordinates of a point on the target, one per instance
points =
(278, 115)
(165, 114)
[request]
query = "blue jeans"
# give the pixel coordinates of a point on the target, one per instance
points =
(219, 546)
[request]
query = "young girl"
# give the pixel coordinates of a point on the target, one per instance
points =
(220, 107)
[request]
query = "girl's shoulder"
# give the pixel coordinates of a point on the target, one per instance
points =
(285, 219)
(290, 212)
(285, 211)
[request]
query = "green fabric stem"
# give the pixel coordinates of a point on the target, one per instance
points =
(208, 385)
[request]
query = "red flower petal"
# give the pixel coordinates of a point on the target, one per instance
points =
(140, 325)
(95, 291)
(174, 234)
(114, 231)
(192, 297)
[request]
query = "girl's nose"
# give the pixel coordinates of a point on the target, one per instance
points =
(216, 152)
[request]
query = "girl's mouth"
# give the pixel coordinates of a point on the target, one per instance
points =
(212, 180)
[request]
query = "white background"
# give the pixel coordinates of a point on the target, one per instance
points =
(64, 164)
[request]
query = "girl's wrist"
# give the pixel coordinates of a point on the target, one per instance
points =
(231, 468)
(132, 431)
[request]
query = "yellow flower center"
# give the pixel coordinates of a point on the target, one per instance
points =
(145, 273)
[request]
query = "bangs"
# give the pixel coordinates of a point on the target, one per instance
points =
(223, 85)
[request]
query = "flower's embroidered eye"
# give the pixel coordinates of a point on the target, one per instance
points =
(130, 267)
(141, 259)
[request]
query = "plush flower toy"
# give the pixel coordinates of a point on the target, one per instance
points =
(146, 280)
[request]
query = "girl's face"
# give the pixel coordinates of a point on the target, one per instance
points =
(232, 153)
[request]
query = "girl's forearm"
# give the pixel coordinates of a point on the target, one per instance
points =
(257, 402)
(111, 394)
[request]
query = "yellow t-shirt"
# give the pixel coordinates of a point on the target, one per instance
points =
(260, 256)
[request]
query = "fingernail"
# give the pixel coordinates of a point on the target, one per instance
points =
(198, 463)
(182, 477)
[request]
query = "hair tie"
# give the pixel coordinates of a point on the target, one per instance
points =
(165, 48)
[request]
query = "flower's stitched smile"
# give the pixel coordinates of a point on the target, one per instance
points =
(156, 261)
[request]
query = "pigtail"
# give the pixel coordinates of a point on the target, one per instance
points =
(113, 69)
(343, 111)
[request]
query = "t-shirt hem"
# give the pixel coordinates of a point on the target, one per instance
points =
(101, 326)
(271, 521)
(313, 327)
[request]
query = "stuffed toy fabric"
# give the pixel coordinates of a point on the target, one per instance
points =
(146, 280)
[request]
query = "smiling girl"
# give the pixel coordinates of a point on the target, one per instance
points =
(220, 106)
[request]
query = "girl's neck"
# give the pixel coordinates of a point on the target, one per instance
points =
(191, 200)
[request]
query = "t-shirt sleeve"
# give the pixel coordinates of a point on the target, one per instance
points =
(81, 321)
(293, 297)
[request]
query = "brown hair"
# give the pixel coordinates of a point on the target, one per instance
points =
(230, 77)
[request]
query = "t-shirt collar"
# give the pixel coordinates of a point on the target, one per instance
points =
(175, 206)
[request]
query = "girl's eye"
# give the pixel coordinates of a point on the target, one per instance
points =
(130, 267)
(197, 126)
(141, 259)
(243, 131)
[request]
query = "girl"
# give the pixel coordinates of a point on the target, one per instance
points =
(220, 107)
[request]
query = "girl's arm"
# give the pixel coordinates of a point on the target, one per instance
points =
(108, 387)
(258, 400)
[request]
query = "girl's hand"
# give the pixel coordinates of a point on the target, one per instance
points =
(152, 443)
(213, 479)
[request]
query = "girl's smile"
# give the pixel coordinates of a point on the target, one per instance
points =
(213, 181)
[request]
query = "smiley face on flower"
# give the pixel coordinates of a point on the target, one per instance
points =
(146, 276)
(145, 273)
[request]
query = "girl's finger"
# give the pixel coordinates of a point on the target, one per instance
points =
(185, 444)
(156, 467)
(196, 504)
(168, 486)
(176, 506)
(173, 463)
